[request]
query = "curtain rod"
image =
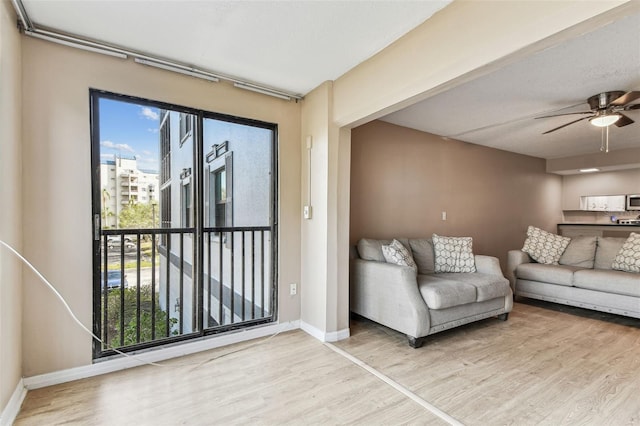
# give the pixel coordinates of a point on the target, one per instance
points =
(30, 29)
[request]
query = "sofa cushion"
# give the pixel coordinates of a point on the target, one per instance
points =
(453, 254)
(628, 258)
(441, 293)
(370, 249)
(422, 250)
(581, 251)
(608, 248)
(554, 274)
(616, 282)
(544, 247)
(487, 286)
(398, 254)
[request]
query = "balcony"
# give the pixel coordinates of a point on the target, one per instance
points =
(148, 292)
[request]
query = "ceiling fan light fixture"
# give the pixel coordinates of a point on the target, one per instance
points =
(604, 120)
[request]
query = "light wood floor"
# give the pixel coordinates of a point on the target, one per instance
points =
(546, 365)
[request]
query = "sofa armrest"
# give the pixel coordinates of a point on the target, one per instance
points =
(488, 265)
(515, 258)
(389, 294)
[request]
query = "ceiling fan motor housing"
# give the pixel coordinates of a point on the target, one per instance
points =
(602, 100)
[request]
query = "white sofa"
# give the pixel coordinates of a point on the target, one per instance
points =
(583, 278)
(424, 303)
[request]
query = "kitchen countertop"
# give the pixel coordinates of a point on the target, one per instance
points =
(574, 229)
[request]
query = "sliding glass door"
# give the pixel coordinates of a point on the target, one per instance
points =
(184, 222)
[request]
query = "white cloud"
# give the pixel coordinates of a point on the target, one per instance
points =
(147, 152)
(149, 113)
(152, 130)
(124, 147)
(118, 146)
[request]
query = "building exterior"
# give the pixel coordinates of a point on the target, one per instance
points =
(237, 193)
(122, 184)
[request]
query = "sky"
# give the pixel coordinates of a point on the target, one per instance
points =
(129, 130)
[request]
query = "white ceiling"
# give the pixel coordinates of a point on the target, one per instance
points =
(297, 45)
(289, 45)
(498, 109)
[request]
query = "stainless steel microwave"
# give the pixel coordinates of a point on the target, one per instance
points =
(633, 202)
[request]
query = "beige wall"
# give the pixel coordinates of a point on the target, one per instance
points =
(11, 205)
(316, 111)
(402, 180)
(325, 248)
(57, 197)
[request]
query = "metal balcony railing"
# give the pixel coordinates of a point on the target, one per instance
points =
(149, 292)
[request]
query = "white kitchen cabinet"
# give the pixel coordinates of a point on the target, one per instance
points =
(603, 203)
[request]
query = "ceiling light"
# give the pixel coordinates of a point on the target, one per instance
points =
(591, 170)
(604, 120)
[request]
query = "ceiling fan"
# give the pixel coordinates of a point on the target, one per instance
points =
(606, 110)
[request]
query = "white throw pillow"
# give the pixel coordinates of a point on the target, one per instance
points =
(628, 258)
(453, 254)
(398, 254)
(544, 247)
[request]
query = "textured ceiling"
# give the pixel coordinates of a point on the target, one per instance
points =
(497, 109)
(289, 45)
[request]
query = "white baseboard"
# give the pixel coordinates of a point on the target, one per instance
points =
(122, 363)
(10, 412)
(332, 336)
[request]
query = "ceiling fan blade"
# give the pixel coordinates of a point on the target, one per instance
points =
(626, 98)
(631, 107)
(568, 113)
(565, 125)
(623, 121)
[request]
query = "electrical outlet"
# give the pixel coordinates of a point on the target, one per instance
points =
(444, 215)
(307, 212)
(293, 289)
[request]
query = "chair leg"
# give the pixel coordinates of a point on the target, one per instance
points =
(503, 317)
(415, 342)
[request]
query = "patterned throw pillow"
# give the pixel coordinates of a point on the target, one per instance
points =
(453, 254)
(628, 258)
(398, 254)
(544, 247)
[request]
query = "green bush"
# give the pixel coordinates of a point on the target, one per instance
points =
(131, 318)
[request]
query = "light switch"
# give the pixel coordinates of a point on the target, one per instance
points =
(444, 215)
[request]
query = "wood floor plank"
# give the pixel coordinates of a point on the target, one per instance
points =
(292, 379)
(542, 366)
